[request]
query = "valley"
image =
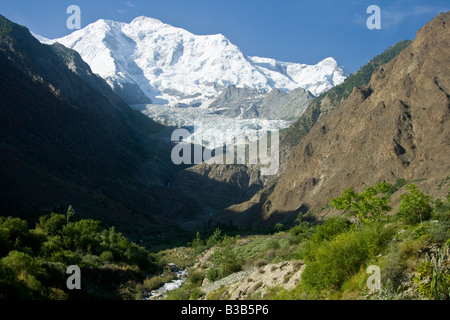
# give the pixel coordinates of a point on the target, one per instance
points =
(87, 126)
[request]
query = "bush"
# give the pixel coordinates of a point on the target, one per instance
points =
(26, 271)
(331, 263)
(178, 294)
(336, 261)
(366, 207)
(156, 282)
(415, 206)
(196, 294)
(53, 224)
(215, 238)
(302, 231)
(330, 229)
(394, 272)
(107, 256)
(5, 244)
(195, 278)
(21, 263)
(212, 274)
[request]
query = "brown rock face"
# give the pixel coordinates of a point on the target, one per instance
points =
(396, 127)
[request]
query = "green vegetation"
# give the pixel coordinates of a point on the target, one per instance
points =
(415, 206)
(411, 247)
(408, 247)
(33, 262)
(366, 207)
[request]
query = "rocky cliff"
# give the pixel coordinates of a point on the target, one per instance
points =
(395, 127)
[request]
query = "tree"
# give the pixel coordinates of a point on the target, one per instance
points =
(415, 206)
(279, 227)
(53, 224)
(368, 206)
(215, 238)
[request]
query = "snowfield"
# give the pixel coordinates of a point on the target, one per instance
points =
(173, 66)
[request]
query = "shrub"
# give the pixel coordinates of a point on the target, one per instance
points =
(212, 274)
(53, 224)
(5, 244)
(178, 294)
(415, 206)
(330, 229)
(215, 238)
(331, 263)
(394, 272)
(225, 258)
(196, 294)
(106, 256)
(156, 282)
(302, 231)
(368, 206)
(336, 261)
(195, 278)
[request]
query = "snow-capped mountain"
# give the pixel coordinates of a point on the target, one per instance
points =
(173, 66)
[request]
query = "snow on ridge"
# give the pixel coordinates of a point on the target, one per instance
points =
(173, 66)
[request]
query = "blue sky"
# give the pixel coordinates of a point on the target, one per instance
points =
(287, 30)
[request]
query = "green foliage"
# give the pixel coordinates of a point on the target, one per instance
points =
(394, 271)
(70, 213)
(302, 231)
(433, 277)
(440, 277)
(33, 261)
(225, 258)
(330, 229)
(399, 183)
(415, 206)
(215, 238)
(197, 244)
(212, 274)
(424, 272)
(368, 206)
(22, 273)
(106, 256)
(279, 227)
(178, 294)
(53, 224)
(156, 282)
(332, 262)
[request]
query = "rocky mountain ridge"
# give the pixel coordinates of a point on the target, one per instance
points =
(67, 139)
(395, 127)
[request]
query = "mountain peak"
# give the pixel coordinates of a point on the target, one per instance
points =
(173, 66)
(143, 20)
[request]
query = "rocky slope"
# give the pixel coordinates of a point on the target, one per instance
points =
(395, 127)
(246, 103)
(246, 285)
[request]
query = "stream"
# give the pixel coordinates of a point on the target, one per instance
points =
(168, 286)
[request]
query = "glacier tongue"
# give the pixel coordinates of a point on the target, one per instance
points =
(173, 66)
(211, 129)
